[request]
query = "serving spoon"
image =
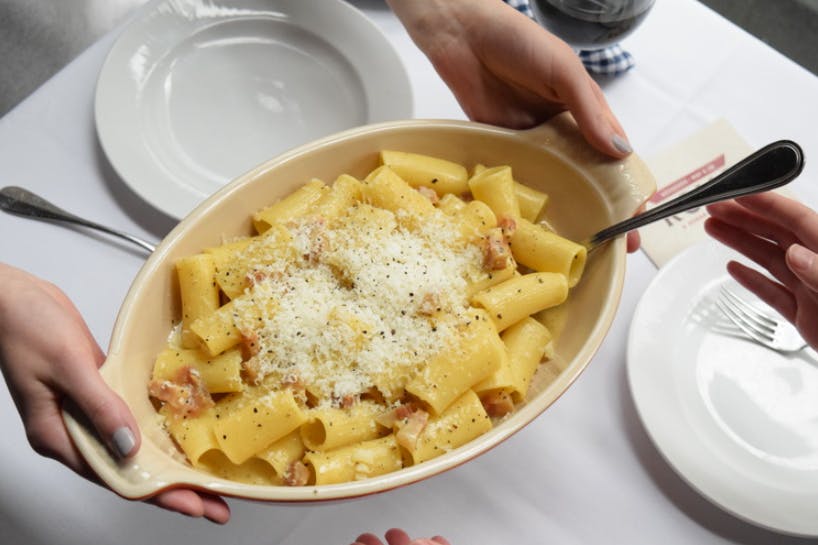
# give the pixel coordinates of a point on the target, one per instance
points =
(768, 168)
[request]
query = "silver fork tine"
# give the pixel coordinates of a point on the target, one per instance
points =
(776, 334)
(749, 312)
(746, 325)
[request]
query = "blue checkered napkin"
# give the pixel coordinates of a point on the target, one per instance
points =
(521, 6)
(610, 61)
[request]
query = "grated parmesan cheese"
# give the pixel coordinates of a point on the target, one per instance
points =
(362, 305)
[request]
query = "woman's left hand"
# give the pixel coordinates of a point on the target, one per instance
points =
(48, 356)
(781, 235)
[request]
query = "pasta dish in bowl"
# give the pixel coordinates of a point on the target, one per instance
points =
(367, 311)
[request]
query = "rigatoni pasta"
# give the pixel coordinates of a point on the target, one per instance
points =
(367, 325)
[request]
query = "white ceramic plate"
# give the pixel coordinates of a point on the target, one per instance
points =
(737, 421)
(196, 92)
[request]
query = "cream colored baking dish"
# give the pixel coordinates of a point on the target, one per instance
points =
(587, 190)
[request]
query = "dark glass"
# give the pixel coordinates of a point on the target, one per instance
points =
(591, 24)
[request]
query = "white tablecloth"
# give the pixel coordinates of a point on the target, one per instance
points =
(584, 472)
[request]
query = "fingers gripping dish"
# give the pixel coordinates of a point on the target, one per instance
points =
(368, 325)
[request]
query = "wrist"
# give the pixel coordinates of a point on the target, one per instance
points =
(433, 24)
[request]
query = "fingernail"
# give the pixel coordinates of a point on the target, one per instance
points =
(800, 257)
(123, 441)
(621, 144)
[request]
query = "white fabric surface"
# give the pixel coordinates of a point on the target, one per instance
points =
(584, 472)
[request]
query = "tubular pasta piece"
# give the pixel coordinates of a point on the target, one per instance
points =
(532, 202)
(198, 292)
(495, 187)
(193, 435)
(526, 342)
(383, 188)
(331, 428)
(355, 462)
(220, 374)
(511, 301)
(546, 251)
(253, 471)
(283, 453)
(423, 170)
(451, 373)
(256, 425)
(292, 206)
(464, 420)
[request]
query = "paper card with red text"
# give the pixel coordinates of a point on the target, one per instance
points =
(681, 168)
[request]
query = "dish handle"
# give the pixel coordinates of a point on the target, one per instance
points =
(625, 184)
(137, 477)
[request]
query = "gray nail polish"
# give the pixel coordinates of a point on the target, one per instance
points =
(123, 441)
(621, 144)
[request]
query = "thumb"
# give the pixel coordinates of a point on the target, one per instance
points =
(803, 263)
(106, 411)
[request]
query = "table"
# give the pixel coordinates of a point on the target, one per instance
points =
(584, 472)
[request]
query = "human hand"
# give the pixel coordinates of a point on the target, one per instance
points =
(48, 355)
(781, 235)
(396, 536)
(507, 70)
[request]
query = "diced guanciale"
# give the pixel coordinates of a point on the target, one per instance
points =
(429, 193)
(429, 304)
(496, 251)
(497, 404)
(409, 420)
(297, 474)
(507, 225)
(249, 345)
(252, 370)
(185, 395)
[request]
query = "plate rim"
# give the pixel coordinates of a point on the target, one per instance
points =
(701, 253)
(131, 161)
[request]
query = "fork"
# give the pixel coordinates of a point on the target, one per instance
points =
(774, 333)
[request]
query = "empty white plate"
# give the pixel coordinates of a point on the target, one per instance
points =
(737, 421)
(196, 92)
